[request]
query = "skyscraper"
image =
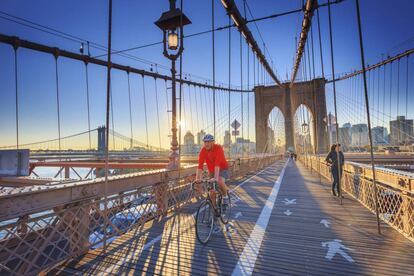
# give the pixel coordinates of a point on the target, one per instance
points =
(379, 135)
(227, 139)
(188, 147)
(200, 137)
(359, 135)
(401, 130)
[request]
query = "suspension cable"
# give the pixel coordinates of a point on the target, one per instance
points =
(335, 105)
(320, 43)
(229, 122)
(214, 67)
(168, 107)
(158, 112)
(57, 98)
(398, 88)
(87, 103)
(367, 110)
(145, 109)
(112, 119)
(130, 111)
(17, 95)
(108, 100)
(241, 87)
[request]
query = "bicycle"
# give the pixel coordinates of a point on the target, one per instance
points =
(206, 212)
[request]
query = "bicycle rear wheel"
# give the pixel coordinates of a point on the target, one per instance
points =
(225, 210)
(204, 222)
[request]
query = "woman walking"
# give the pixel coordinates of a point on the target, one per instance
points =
(336, 166)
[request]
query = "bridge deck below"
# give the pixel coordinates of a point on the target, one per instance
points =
(305, 232)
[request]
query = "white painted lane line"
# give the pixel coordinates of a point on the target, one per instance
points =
(159, 237)
(248, 258)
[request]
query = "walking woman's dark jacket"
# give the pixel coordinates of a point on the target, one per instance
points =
(333, 160)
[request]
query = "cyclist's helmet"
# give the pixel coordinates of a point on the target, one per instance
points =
(208, 138)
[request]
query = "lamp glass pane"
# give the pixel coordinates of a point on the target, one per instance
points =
(172, 41)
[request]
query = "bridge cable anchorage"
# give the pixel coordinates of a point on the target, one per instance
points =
(242, 27)
(108, 100)
(368, 115)
(87, 103)
(306, 23)
(334, 92)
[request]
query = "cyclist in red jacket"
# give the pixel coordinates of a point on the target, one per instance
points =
(213, 155)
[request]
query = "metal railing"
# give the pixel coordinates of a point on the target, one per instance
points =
(395, 191)
(40, 226)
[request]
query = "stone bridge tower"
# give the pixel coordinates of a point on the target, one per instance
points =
(309, 93)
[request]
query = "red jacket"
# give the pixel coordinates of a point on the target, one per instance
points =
(213, 157)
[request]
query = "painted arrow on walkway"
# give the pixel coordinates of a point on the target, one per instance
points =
(290, 201)
(237, 215)
(325, 222)
(288, 212)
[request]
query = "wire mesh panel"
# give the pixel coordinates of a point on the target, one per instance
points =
(395, 192)
(35, 235)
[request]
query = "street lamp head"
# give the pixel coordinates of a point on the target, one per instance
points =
(171, 22)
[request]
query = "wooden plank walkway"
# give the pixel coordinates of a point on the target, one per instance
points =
(308, 233)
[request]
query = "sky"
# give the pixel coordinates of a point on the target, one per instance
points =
(387, 30)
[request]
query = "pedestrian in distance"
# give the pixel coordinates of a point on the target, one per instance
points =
(336, 165)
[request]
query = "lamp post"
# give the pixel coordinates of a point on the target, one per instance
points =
(171, 23)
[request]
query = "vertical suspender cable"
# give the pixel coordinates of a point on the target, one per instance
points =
(323, 72)
(17, 96)
(145, 109)
(214, 69)
(158, 114)
(57, 95)
(335, 106)
(383, 98)
(390, 92)
(180, 104)
(248, 97)
(168, 106)
(367, 110)
(130, 111)
(112, 119)
(378, 96)
(313, 53)
(398, 92)
(241, 88)
(320, 42)
(87, 104)
(229, 126)
(108, 100)
(406, 99)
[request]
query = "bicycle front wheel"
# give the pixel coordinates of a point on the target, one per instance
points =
(204, 222)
